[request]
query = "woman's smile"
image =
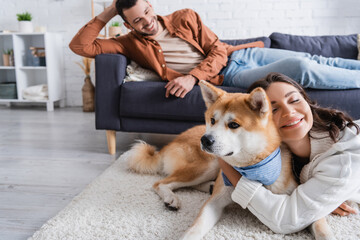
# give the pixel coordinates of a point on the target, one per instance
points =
(293, 123)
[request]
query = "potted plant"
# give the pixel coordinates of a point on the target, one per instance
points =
(25, 24)
(114, 29)
(8, 57)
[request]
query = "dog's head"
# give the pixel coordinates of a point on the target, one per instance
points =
(239, 127)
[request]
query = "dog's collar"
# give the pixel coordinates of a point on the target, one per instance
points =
(266, 171)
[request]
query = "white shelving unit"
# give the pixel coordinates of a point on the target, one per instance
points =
(26, 75)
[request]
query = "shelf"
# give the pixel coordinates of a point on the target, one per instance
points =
(7, 68)
(27, 72)
(32, 68)
(32, 33)
(6, 34)
(24, 68)
(22, 101)
(20, 33)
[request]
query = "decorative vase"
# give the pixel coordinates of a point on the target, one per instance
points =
(6, 59)
(88, 95)
(114, 31)
(25, 26)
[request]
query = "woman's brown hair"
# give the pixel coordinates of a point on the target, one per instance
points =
(325, 119)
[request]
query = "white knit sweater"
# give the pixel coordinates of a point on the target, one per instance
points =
(330, 178)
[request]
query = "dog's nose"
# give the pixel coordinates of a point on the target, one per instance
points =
(207, 140)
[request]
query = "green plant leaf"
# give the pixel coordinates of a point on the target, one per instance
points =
(115, 24)
(26, 16)
(8, 51)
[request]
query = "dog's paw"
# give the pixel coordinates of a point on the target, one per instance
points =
(171, 208)
(172, 203)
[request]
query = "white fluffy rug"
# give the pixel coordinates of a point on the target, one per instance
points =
(121, 205)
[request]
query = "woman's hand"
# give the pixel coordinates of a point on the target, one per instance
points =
(233, 175)
(344, 210)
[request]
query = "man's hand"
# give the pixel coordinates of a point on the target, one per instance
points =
(180, 86)
(108, 12)
(344, 210)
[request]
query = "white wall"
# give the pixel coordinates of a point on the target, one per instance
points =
(229, 19)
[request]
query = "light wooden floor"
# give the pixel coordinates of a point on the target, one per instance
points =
(47, 158)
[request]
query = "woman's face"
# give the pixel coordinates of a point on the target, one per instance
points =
(291, 113)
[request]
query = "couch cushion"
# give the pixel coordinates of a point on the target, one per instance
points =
(265, 40)
(344, 100)
(328, 46)
(147, 100)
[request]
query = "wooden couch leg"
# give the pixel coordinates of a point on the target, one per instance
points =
(111, 141)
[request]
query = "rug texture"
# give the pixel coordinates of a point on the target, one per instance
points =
(122, 205)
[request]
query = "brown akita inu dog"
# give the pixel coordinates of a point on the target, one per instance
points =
(239, 129)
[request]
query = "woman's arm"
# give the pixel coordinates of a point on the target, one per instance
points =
(233, 175)
(334, 181)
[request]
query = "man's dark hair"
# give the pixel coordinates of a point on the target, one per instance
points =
(124, 4)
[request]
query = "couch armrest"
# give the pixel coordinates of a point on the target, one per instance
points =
(110, 70)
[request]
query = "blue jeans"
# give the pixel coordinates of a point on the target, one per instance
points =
(311, 71)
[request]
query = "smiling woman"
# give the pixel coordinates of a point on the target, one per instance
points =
(292, 115)
(328, 143)
(292, 107)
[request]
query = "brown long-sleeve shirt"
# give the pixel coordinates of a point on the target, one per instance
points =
(185, 24)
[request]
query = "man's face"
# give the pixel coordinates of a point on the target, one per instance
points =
(142, 19)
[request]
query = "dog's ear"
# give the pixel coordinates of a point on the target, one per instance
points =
(258, 101)
(210, 93)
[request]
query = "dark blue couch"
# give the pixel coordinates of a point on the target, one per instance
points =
(142, 106)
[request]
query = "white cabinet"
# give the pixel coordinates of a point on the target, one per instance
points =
(26, 74)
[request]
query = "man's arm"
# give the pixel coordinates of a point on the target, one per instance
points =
(86, 43)
(215, 51)
(215, 60)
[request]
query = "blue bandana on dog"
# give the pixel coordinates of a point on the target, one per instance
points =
(266, 171)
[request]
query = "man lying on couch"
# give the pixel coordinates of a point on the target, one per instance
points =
(182, 50)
